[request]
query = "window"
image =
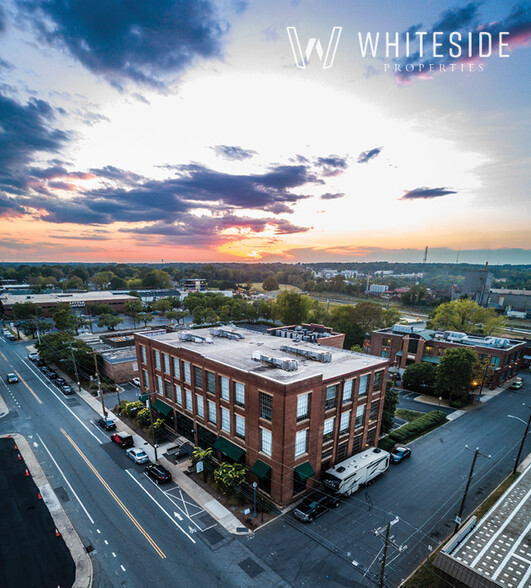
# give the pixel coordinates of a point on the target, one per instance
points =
(371, 435)
(212, 414)
(330, 397)
(189, 403)
(377, 384)
(360, 413)
(328, 431)
(495, 361)
(386, 342)
(375, 407)
(166, 361)
(356, 445)
(239, 394)
(187, 377)
(239, 425)
(198, 377)
(301, 441)
(225, 388)
(412, 346)
(211, 382)
(345, 422)
(303, 406)
(157, 358)
(429, 350)
(347, 391)
(266, 406)
(178, 395)
(143, 354)
(167, 389)
(327, 454)
(363, 385)
(225, 420)
(176, 368)
(265, 441)
(342, 451)
(145, 375)
(384, 353)
(160, 389)
(200, 404)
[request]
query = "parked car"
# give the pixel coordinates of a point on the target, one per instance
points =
(516, 385)
(158, 473)
(33, 356)
(400, 454)
(40, 362)
(44, 369)
(123, 439)
(136, 381)
(12, 378)
(11, 337)
(60, 382)
(52, 375)
(66, 389)
(137, 455)
(107, 424)
(314, 505)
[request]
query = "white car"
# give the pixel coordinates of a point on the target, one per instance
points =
(136, 381)
(137, 455)
(33, 356)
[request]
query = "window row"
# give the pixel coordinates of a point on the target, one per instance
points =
(332, 391)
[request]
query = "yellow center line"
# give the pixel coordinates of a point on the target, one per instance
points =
(118, 501)
(5, 358)
(22, 380)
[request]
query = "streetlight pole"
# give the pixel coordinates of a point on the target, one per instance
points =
(381, 583)
(148, 404)
(254, 499)
(100, 391)
(75, 368)
(523, 441)
(462, 507)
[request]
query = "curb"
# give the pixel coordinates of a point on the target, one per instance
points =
(82, 561)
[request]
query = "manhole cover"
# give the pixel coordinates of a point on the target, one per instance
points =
(250, 567)
(213, 536)
(89, 548)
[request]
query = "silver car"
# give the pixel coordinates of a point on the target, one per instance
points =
(137, 455)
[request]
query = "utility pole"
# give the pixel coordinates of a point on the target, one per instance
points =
(387, 541)
(523, 441)
(100, 391)
(75, 368)
(148, 403)
(462, 507)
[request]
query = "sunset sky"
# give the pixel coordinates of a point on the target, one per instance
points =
(183, 130)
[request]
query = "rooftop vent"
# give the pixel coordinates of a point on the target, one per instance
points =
(322, 356)
(402, 329)
(194, 338)
(226, 333)
(289, 365)
(454, 335)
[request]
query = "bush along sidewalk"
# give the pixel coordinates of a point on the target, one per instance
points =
(410, 431)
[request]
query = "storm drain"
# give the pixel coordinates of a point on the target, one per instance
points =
(61, 494)
(250, 567)
(89, 548)
(212, 536)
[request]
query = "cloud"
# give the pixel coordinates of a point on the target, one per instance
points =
(464, 20)
(330, 196)
(426, 193)
(366, 156)
(2, 20)
(332, 165)
(136, 41)
(232, 152)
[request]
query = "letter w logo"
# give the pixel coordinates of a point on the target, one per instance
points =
(302, 58)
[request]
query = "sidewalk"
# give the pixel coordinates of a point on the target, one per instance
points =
(216, 510)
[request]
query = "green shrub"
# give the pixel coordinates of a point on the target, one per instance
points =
(119, 408)
(131, 408)
(228, 476)
(415, 428)
(143, 417)
(386, 444)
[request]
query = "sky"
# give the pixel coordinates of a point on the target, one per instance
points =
(295, 131)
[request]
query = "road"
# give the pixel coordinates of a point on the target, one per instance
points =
(138, 534)
(340, 548)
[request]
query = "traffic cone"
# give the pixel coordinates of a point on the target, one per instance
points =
(57, 534)
(16, 446)
(27, 473)
(9, 436)
(39, 496)
(19, 457)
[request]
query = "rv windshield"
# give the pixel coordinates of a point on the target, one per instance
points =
(331, 481)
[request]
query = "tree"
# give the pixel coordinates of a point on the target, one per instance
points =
(145, 317)
(455, 374)
(228, 476)
(100, 308)
(343, 320)
(389, 408)
(175, 315)
(162, 305)
(466, 316)
(143, 417)
(110, 321)
(420, 377)
(157, 279)
(26, 310)
(64, 318)
(132, 308)
(270, 283)
(415, 296)
(292, 308)
(70, 353)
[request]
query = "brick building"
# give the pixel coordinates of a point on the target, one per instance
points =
(287, 410)
(404, 345)
(310, 332)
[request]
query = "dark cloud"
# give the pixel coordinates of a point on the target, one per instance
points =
(233, 152)
(332, 165)
(122, 176)
(426, 193)
(330, 196)
(464, 20)
(133, 40)
(2, 20)
(366, 156)
(9, 207)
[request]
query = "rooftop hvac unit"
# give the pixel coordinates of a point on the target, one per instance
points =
(289, 365)
(454, 335)
(194, 338)
(226, 333)
(322, 356)
(402, 329)
(497, 341)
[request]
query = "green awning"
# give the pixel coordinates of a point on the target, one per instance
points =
(305, 471)
(261, 469)
(431, 359)
(399, 354)
(143, 397)
(229, 449)
(163, 408)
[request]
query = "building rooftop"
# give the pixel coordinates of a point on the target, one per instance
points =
(235, 347)
(65, 297)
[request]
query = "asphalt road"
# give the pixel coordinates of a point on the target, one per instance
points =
(138, 534)
(341, 549)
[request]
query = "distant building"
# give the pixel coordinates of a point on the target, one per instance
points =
(311, 333)
(287, 415)
(506, 299)
(404, 345)
(476, 286)
(378, 288)
(195, 284)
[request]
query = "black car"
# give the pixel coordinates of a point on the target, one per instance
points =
(158, 473)
(314, 505)
(52, 375)
(60, 382)
(44, 368)
(66, 389)
(40, 363)
(400, 454)
(107, 424)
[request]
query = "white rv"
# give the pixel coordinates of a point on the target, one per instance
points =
(363, 468)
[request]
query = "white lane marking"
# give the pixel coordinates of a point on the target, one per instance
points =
(113, 554)
(63, 403)
(160, 506)
(170, 497)
(106, 542)
(176, 514)
(67, 482)
(123, 569)
(98, 531)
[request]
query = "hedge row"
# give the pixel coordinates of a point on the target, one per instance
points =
(386, 444)
(421, 425)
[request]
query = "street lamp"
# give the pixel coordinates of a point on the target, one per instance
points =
(254, 499)
(440, 398)
(523, 439)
